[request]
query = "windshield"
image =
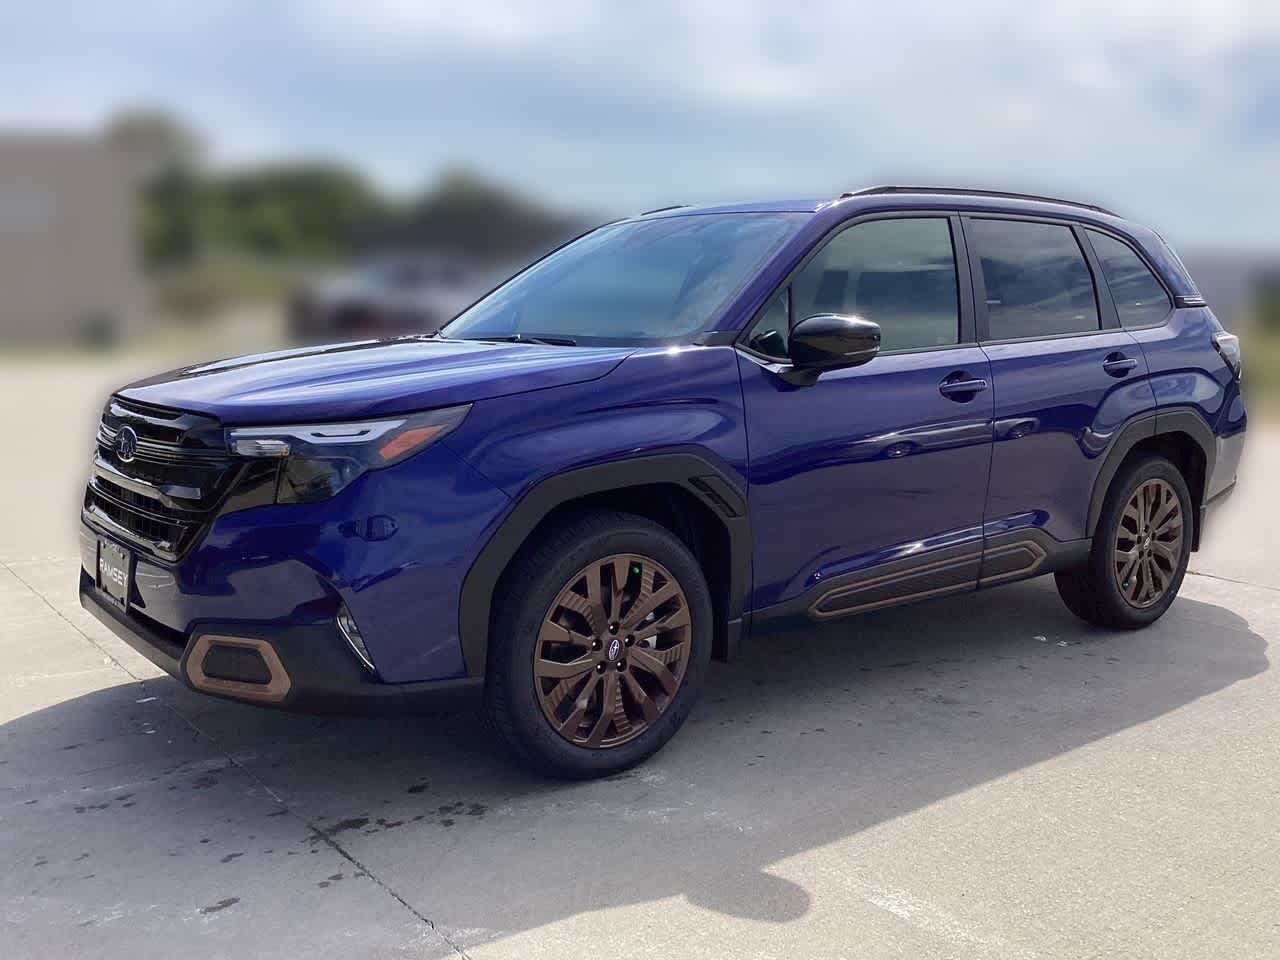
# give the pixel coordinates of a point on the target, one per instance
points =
(639, 282)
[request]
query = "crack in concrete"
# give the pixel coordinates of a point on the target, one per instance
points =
(1243, 583)
(315, 830)
(68, 621)
(230, 759)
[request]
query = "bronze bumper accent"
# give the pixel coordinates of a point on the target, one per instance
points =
(273, 691)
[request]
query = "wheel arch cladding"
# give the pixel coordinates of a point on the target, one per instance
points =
(686, 492)
(1180, 436)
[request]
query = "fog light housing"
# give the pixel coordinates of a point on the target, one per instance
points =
(347, 627)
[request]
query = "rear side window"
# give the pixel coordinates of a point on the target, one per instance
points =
(899, 273)
(1140, 299)
(1037, 281)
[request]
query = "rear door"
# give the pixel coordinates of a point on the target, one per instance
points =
(1065, 378)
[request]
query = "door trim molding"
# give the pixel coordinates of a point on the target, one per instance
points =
(996, 560)
(875, 588)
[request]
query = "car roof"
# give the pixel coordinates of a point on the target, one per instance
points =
(826, 214)
(757, 206)
(905, 197)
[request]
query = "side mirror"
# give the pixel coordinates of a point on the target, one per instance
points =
(829, 341)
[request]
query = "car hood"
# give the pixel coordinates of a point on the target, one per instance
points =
(369, 378)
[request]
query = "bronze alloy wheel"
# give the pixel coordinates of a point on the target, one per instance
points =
(1148, 547)
(612, 651)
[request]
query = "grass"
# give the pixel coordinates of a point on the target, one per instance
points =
(1261, 350)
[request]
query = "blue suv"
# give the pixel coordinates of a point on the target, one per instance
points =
(659, 438)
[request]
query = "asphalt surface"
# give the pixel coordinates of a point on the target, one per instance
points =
(981, 776)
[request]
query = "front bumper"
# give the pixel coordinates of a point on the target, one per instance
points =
(305, 668)
(393, 547)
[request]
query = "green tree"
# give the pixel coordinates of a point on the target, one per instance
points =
(295, 210)
(464, 212)
(170, 219)
(163, 158)
(155, 143)
(309, 210)
(1268, 303)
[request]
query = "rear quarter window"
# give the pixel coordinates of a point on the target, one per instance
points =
(1140, 298)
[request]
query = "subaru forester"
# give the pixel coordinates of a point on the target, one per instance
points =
(660, 438)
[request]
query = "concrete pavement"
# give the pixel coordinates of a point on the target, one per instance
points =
(971, 777)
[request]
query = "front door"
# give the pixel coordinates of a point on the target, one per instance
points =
(868, 486)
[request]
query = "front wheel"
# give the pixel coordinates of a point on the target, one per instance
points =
(1140, 550)
(600, 646)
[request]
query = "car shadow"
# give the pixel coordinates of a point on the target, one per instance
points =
(811, 736)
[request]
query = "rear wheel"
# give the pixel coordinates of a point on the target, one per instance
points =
(600, 646)
(1140, 549)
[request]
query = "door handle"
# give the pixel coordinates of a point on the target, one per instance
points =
(1118, 365)
(961, 387)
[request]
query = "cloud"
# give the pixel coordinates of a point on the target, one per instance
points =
(1170, 111)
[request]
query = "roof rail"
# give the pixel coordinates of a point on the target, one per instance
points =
(674, 206)
(968, 191)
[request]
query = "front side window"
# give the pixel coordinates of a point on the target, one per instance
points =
(900, 274)
(1140, 299)
(634, 283)
(770, 334)
(1037, 281)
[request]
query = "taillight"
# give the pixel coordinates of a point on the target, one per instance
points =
(1228, 345)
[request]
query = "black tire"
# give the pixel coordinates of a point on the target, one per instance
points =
(535, 579)
(1091, 592)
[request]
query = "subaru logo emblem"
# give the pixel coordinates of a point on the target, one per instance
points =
(615, 648)
(126, 444)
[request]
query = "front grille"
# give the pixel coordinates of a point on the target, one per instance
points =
(164, 496)
(123, 495)
(165, 537)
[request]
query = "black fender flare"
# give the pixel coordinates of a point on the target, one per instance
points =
(708, 481)
(1164, 421)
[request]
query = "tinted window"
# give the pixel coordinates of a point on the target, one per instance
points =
(769, 335)
(1038, 283)
(899, 273)
(1139, 297)
(643, 281)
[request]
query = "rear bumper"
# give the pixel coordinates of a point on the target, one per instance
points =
(305, 668)
(1221, 481)
(1210, 506)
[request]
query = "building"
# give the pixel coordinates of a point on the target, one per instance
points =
(68, 267)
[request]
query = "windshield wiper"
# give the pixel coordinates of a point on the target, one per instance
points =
(525, 338)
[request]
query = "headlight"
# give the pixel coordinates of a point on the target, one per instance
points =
(319, 459)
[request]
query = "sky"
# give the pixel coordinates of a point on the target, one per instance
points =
(1168, 112)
